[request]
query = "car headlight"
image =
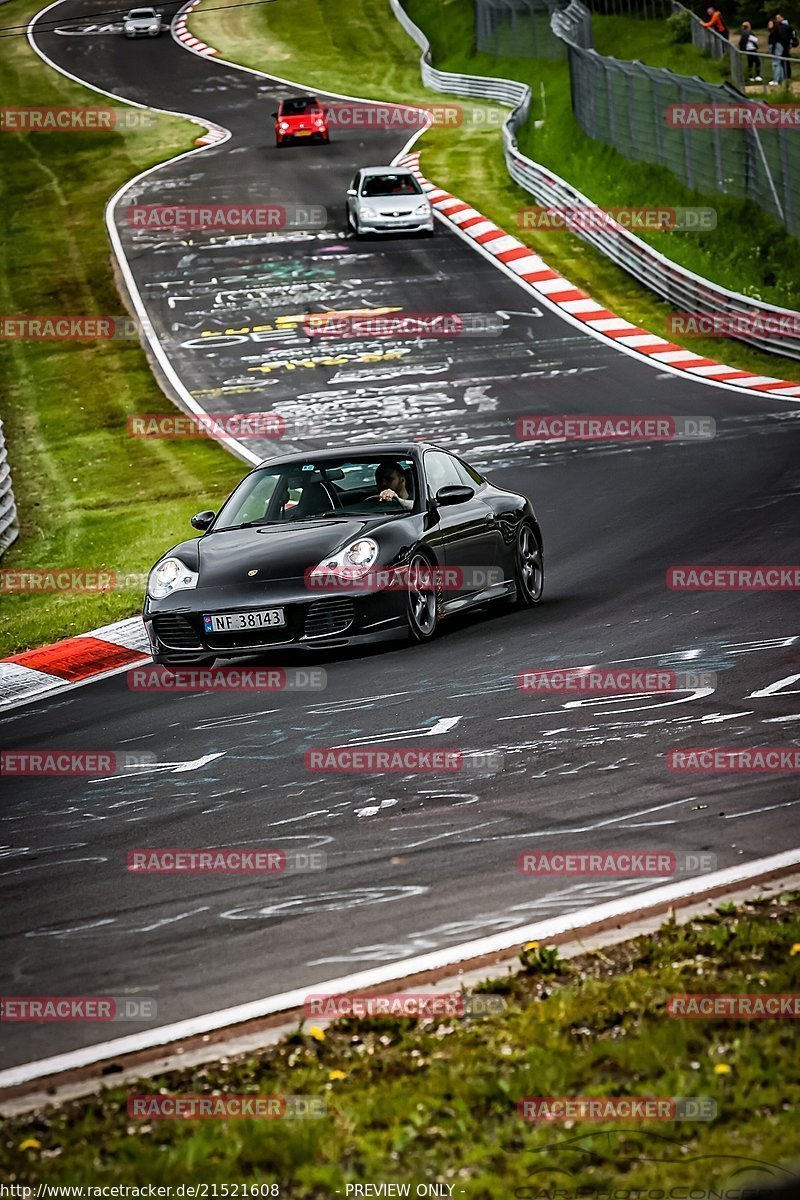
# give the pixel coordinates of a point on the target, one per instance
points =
(422, 208)
(130, 28)
(283, 125)
(319, 124)
(366, 211)
(353, 561)
(168, 576)
(154, 28)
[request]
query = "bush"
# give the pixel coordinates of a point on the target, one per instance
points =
(679, 27)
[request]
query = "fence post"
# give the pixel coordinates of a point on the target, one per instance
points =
(9, 519)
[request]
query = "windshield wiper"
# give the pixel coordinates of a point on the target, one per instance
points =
(246, 525)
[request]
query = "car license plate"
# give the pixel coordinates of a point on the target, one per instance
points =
(263, 618)
(302, 133)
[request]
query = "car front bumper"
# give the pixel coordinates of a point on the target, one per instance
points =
(382, 224)
(314, 618)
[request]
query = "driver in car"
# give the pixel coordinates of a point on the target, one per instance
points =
(391, 479)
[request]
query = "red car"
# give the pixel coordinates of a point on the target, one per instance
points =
(300, 117)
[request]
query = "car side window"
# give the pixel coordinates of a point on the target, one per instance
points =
(441, 471)
(468, 474)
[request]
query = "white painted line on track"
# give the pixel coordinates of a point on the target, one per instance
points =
(685, 890)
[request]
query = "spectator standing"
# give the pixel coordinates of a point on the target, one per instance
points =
(715, 22)
(788, 39)
(748, 44)
(776, 50)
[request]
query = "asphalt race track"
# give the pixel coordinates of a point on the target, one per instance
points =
(414, 862)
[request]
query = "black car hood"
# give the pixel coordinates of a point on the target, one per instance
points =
(277, 551)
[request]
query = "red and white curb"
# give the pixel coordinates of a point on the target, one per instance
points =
(64, 665)
(557, 292)
(182, 34)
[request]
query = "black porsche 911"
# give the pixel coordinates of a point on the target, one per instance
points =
(341, 547)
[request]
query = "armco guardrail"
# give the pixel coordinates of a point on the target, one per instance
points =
(478, 87)
(9, 523)
(682, 288)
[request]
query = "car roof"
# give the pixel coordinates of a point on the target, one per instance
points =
(298, 99)
(377, 449)
(390, 170)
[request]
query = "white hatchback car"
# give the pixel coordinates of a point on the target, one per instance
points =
(388, 200)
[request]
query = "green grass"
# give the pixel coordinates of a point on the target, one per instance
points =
(648, 42)
(89, 496)
(436, 1100)
(360, 48)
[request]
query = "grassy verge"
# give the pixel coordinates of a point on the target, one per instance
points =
(361, 48)
(90, 497)
(416, 1101)
(649, 42)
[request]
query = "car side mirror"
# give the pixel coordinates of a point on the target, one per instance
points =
(454, 493)
(351, 192)
(202, 520)
(275, 115)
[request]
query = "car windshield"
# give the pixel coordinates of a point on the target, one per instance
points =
(390, 185)
(141, 14)
(325, 489)
(298, 106)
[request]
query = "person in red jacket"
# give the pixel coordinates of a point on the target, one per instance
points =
(715, 22)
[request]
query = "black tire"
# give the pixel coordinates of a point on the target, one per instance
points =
(528, 567)
(422, 607)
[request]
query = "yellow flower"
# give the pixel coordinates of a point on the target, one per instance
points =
(30, 1144)
(795, 949)
(316, 1033)
(722, 1069)
(336, 1075)
(530, 945)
